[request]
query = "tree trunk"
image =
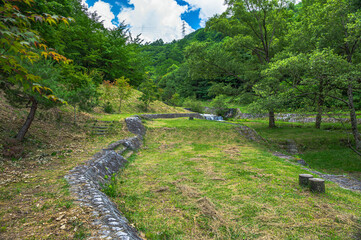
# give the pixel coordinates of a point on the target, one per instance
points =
(271, 119)
(353, 119)
(319, 115)
(74, 114)
(24, 129)
(320, 103)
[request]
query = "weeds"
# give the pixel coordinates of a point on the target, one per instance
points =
(110, 188)
(81, 232)
(64, 204)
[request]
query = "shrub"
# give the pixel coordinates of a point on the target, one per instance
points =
(194, 105)
(176, 100)
(108, 107)
(219, 105)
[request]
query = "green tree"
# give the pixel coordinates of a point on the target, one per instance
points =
(223, 64)
(214, 60)
(257, 26)
(310, 75)
(149, 90)
(332, 24)
(22, 44)
(124, 90)
(79, 89)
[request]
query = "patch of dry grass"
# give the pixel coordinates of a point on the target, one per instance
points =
(35, 202)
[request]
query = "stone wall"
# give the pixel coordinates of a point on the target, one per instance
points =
(171, 115)
(294, 117)
(87, 180)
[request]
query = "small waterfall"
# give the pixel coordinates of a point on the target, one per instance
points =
(212, 117)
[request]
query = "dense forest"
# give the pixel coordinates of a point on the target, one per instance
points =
(273, 56)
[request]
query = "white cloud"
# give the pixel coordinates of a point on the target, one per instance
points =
(83, 2)
(103, 10)
(155, 19)
(208, 8)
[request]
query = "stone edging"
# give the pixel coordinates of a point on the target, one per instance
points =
(171, 115)
(87, 180)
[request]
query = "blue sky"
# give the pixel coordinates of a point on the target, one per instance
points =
(156, 19)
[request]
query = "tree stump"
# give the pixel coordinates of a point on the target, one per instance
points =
(317, 185)
(191, 118)
(304, 179)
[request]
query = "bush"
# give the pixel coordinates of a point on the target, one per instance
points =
(108, 107)
(176, 100)
(219, 105)
(194, 105)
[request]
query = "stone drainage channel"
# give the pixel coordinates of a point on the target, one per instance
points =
(87, 180)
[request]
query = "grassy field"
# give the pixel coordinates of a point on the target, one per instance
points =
(202, 180)
(323, 149)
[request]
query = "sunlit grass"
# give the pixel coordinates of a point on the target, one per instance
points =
(202, 180)
(323, 149)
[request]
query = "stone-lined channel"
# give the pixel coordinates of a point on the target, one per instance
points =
(87, 180)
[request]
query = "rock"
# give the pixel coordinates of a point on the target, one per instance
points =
(231, 113)
(250, 134)
(133, 143)
(283, 156)
(134, 125)
(290, 146)
(302, 162)
(60, 217)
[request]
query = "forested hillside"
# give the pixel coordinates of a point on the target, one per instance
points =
(67, 83)
(169, 67)
(272, 56)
